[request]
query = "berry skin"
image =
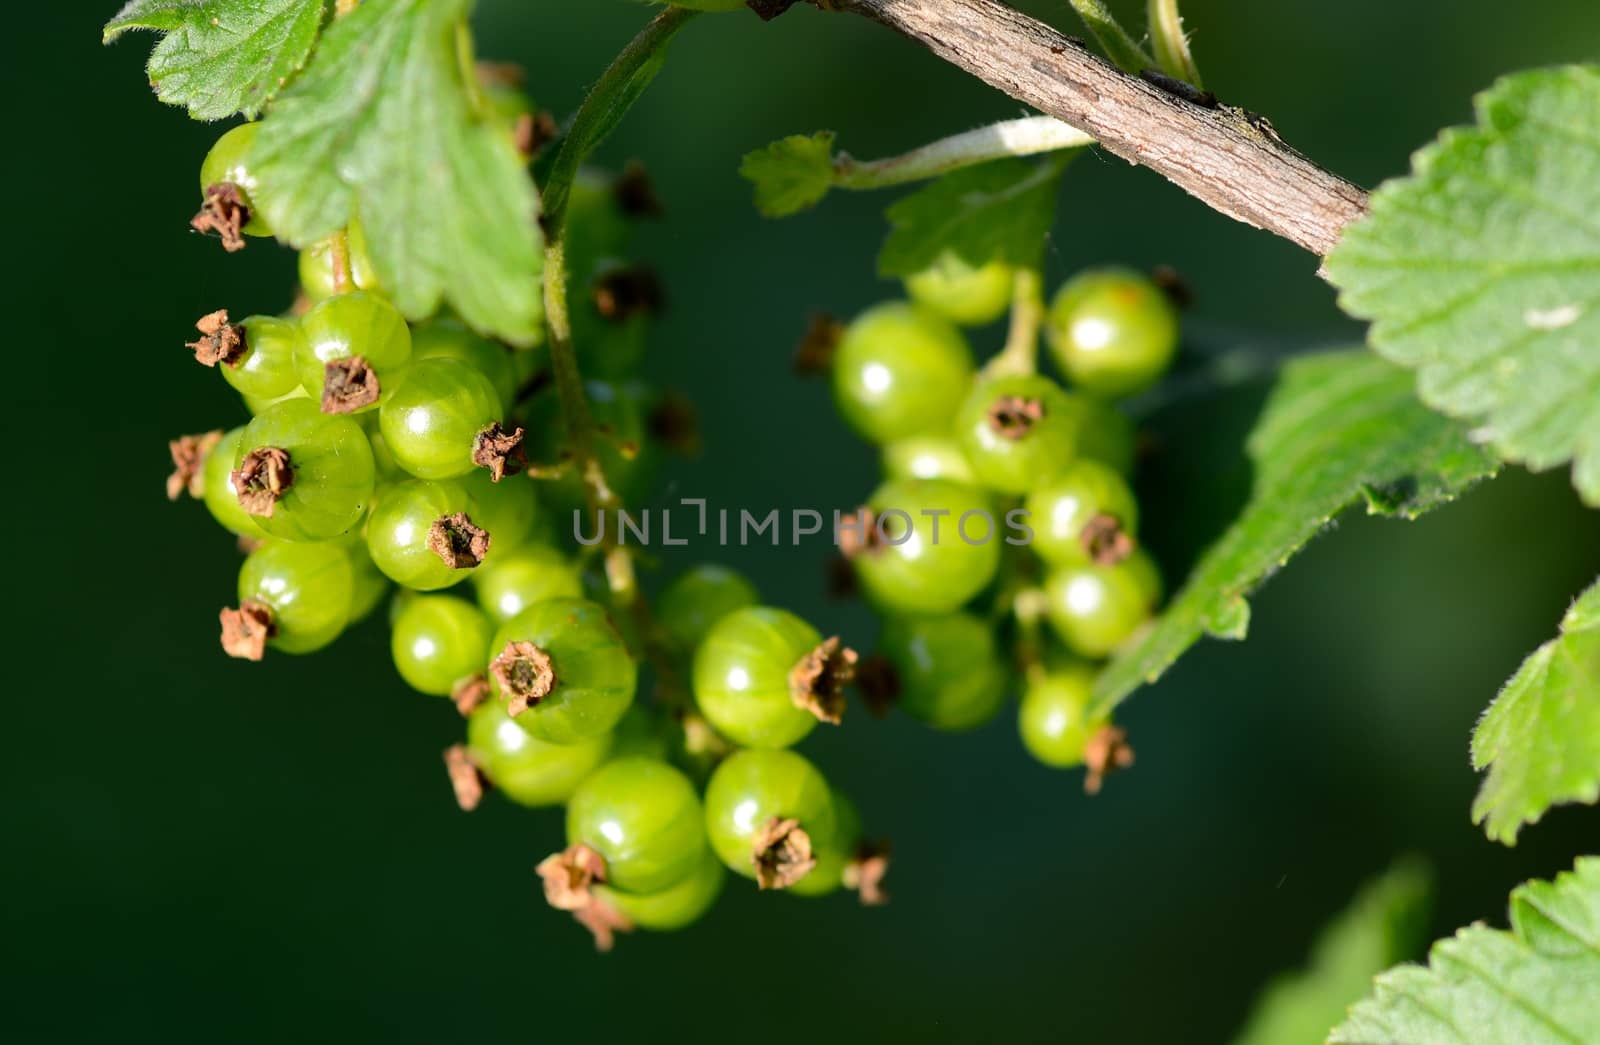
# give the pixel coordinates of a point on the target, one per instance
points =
(257, 405)
(527, 770)
(564, 670)
(926, 457)
(963, 293)
(508, 510)
(675, 907)
(228, 163)
(369, 586)
(1094, 609)
(305, 476)
(1085, 514)
(1019, 431)
(1053, 716)
(266, 371)
(752, 685)
(358, 324)
(828, 876)
(751, 801)
(426, 535)
(432, 421)
(927, 566)
(644, 820)
(900, 370)
(438, 641)
(317, 277)
(217, 484)
(949, 669)
(1113, 332)
(449, 338)
(698, 598)
(308, 588)
(508, 584)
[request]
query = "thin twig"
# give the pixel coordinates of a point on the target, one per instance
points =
(1028, 136)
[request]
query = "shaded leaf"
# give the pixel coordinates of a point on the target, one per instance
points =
(998, 211)
(791, 174)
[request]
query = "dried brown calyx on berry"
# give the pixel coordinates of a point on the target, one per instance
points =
(349, 385)
(1105, 541)
(220, 341)
(865, 873)
(818, 679)
(1107, 750)
(466, 778)
(470, 694)
(858, 533)
(261, 479)
(1012, 417)
(459, 543)
(525, 675)
(568, 875)
(674, 423)
(814, 353)
(781, 853)
(635, 193)
(603, 922)
(225, 213)
(628, 291)
(188, 463)
(879, 684)
(500, 450)
(245, 630)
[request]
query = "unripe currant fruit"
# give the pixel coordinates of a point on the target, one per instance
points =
(946, 671)
(1019, 431)
(764, 678)
(963, 293)
(293, 597)
(643, 819)
(767, 814)
(303, 475)
(924, 545)
(1095, 609)
(524, 768)
(563, 670)
(1086, 514)
(900, 370)
(1113, 331)
(227, 187)
(356, 348)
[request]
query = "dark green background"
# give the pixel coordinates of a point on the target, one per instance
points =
(202, 850)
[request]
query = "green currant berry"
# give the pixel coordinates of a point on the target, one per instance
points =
(832, 859)
(318, 277)
(266, 368)
(767, 814)
(388, 469)
(356, 350)
(369, 585)
(444, 421)
(1019, 431)
(426, 535)
(698, 598)
(948, 671)
(644, 819)
(532, 574)
(1094, 609)
(217, 485)
(927, 457)
(527, 770)
(929, 546)
(611, 318)
(763, 677)
(440, 641)
(509, 510)
(304, 475)
(449, 338)
(1085, 514)
(900, 370)
(292, 597)
(257, 405)
(1054, 716)
(675, 907)
(1113, 331)
(970, 295)
(596, 227)
(227, 185)
(563, 669)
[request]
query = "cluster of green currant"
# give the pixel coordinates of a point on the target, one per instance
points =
(391, 457)
(963, 447)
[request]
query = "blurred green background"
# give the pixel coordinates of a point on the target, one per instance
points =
(203, 850)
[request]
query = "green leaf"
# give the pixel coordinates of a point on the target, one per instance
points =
(1538, 983)
(1337, 429)
(1385, 924)
(383, 126)
(791, 174)
(1481, 271)
(1540, 739)
(220, 57)
(998, 211)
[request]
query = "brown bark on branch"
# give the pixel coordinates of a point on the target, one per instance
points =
(1228, 158)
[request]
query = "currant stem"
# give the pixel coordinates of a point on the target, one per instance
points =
(1029, 136)
(1121, 48)
(1020, 356)
(1169, 42)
